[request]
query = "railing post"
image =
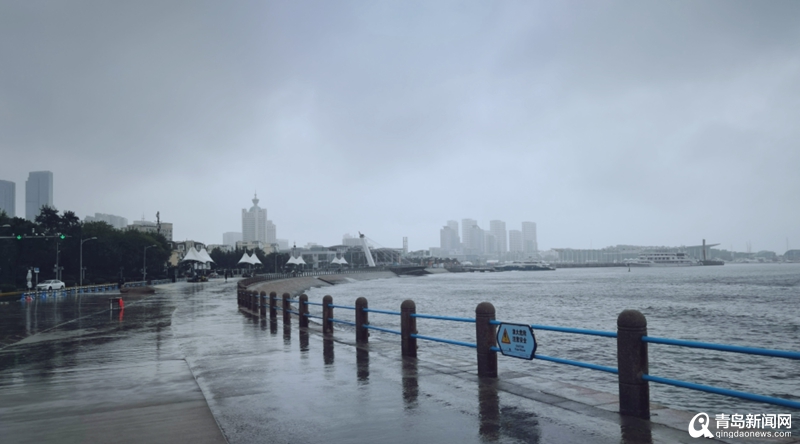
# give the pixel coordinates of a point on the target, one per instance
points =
(486, 338)
(634, 392)
(408, 326)
(303, 309)
(362, 318)
(262, 304)
(252, 302)
(287, 317)
(272, 297)
(327, 315)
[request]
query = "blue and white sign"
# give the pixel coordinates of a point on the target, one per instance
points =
(516, 340)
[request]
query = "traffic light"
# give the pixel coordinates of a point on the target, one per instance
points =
(62, 236)
(18, 237)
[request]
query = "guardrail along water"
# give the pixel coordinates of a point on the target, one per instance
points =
(632, 341)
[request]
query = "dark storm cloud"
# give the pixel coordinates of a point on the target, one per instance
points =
(615, 122)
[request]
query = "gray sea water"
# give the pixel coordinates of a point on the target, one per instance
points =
(756, 305)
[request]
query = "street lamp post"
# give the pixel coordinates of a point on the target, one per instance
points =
(80, 280)
(144, 264)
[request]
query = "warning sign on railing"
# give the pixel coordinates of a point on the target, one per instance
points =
(516, 340)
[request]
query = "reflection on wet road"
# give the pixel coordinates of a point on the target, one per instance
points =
(64, 367)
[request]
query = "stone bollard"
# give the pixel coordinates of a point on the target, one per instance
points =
(303, 309)
(362, 319)
(486, 338)
(252, 301)
(634, 392)
(327, 315)
(262, 304)
(408, 326)
(272, 300)
(287, 317)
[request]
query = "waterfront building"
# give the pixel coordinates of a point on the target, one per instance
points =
(254, 223)
(146, 226)
(448, 239)
(230, 238)
(466, 229)
(8, 198)
(489, 243)
(454, 226)
(498, 230)
(351, 241)
(529, 244)
(515, 242)
(476, 241)
(38, 193)
(117, 222)
(255, 245)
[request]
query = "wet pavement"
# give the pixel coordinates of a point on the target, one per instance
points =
(187, 365)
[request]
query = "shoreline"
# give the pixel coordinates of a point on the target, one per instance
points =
(298, 285)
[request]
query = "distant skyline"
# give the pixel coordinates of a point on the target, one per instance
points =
(643, 123)
(510, 227)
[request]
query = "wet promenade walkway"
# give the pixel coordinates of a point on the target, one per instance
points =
(186, 365)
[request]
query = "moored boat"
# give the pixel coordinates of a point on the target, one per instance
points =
(664, 259)
(523, 266)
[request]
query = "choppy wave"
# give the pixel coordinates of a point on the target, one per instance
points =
(750, 305)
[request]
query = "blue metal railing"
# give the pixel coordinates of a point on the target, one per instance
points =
(722, 391)
(608, 334)
(443, 318)
(445, 341)
(726, 348)
(723, 347)
(386, 330)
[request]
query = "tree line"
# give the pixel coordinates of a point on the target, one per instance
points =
(113, 255)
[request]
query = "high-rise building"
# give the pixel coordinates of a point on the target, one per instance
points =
(8, 198)
(254, 223)
(476, 241)
(466, 229)
(230, 238)
(448, 239)
(38, 193)
(529, 244)
(489, 243)
(498, 230)
(515, 241)
(272, 232)
(454, 226)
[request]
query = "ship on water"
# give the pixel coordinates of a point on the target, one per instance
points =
(523, 266)
(664, 259)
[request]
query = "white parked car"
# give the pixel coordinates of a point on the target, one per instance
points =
(52, 284)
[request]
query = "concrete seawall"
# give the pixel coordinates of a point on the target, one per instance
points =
(296, 286)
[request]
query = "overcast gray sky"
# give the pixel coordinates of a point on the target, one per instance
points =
(651, 123)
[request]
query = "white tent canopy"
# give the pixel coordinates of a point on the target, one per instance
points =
(249, 259)
(296, 260)
(203, 254)
(192, 255)
(245, 259)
